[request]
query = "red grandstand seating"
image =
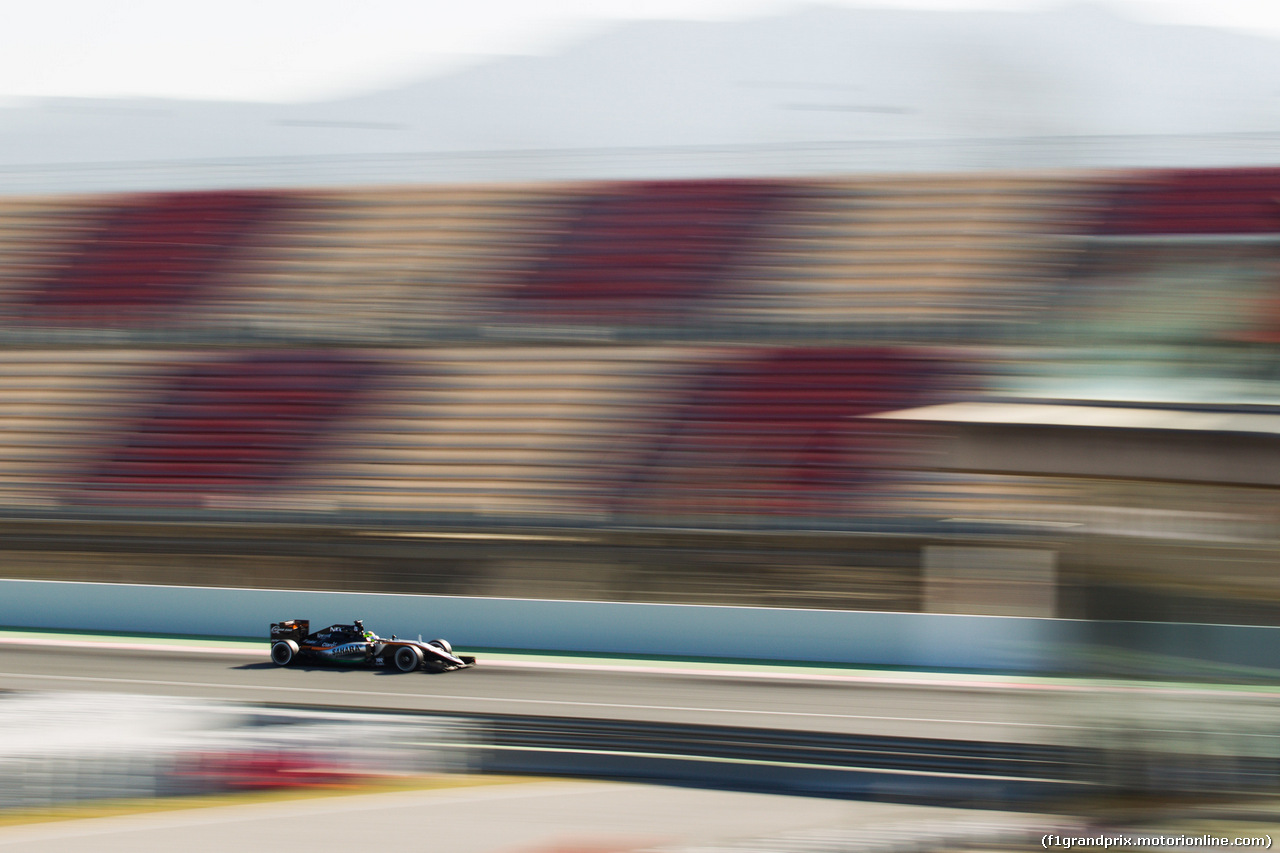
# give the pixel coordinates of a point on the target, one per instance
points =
(227, 426)
(1198, 201)
(780, 432)
(644, 251)
(149, 256)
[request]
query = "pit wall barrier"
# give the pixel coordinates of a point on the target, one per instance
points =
(917, 640)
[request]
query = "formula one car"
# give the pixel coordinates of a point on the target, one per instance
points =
(352, 645)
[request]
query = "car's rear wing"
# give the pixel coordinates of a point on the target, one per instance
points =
(294, 629)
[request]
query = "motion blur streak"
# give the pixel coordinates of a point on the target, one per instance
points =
(65, 747)
(1002, 394)
(624, 371)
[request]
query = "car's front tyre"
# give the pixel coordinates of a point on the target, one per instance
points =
(408, 659)
(283, 652)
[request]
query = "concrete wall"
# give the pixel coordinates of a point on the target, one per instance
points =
(921, 640)
(883, 639)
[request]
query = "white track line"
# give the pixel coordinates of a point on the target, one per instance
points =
(936, 682)
(279, 689)
(565, 703)
(129, 647)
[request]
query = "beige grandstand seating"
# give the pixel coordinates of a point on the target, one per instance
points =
(921, 247)
(56, 407)
(362, 262)
(35, 234)
(501, 431)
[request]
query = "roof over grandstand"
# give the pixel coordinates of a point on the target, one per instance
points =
(816, 91)
(1100, 417)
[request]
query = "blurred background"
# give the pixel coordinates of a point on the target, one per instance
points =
(946, 310)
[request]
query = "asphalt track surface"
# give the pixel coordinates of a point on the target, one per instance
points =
(609, 818)
(936, 707)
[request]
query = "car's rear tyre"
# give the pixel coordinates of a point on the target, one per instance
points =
(442, 644)
(283, 652)
(408, 659)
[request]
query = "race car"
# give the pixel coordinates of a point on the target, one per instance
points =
(352, 645)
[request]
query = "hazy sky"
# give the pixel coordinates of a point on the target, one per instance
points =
(297, 50)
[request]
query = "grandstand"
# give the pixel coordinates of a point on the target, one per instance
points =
(143, 260)
(779, 433)
(646, 252)
(223, 425)
(559, 389)
(1235, 202)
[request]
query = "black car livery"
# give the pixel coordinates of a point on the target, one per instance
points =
(352, 645)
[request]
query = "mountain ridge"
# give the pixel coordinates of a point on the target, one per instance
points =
(817, 76)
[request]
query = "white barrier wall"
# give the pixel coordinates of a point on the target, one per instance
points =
(882, 639)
